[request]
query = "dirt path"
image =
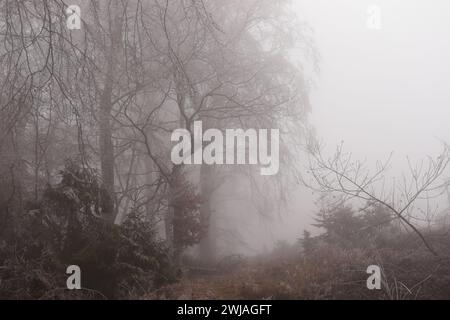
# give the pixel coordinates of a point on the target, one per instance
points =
(239, 284)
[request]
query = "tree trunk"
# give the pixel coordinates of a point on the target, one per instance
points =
(11, 178)
(171, 236)
(105, 108)
(106, 145)
(208, 244)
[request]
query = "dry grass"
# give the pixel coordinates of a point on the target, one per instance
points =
(328, 273)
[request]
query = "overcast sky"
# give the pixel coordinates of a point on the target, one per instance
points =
(381, 90)
(378, 90)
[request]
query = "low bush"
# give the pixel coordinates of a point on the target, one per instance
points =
(67, 228)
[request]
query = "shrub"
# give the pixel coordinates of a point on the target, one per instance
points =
(68, 228)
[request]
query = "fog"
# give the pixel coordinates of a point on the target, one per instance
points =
(191, 148)
(382, 90)
(378, 91)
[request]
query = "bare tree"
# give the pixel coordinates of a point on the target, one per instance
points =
(352, 180)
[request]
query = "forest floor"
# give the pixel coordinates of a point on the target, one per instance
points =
(325, 275)
(260, 281)
(247, 282)
(199, 288)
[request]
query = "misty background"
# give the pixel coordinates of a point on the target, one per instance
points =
(91, 92)
(377, 91)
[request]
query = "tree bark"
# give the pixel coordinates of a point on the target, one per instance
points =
(171, 236)
(208, 244)
(11, 178)
(106, 145)
(105, 108)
